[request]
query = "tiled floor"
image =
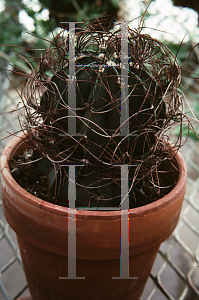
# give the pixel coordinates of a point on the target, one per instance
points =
(175, 274)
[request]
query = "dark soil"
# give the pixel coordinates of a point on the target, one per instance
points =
(27, 175)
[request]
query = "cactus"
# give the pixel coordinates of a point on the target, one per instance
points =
(100, 143)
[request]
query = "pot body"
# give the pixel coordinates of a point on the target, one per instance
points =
(42, 233)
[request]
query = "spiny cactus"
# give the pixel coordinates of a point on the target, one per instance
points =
(100, 142)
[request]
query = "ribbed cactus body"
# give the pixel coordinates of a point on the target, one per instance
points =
(99, 142)
(98, 110)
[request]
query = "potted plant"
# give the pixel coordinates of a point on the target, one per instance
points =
(92, 186)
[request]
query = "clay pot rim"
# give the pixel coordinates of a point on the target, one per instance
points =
(10, 149)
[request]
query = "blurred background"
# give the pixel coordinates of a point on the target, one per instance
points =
(31, 25)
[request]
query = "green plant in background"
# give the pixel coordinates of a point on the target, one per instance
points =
(14, 27)
(150, 107)
(10, 27)
(12, 31)
(185, 129)
(76, 10)
(196, 133)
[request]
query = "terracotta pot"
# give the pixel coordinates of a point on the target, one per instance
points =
(42, 233)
